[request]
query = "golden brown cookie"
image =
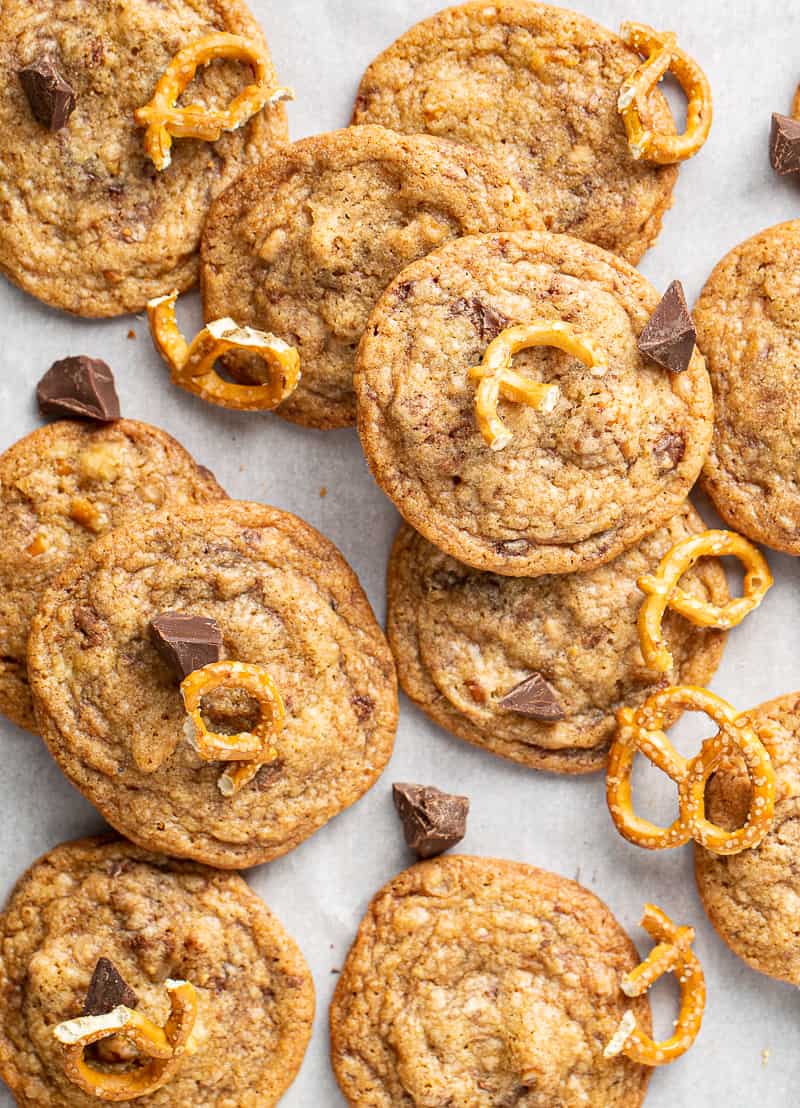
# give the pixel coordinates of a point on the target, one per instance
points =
(154, 919)
(463, 639)
(111, 711)
(538, 87)
(60, 488)
(304, 245)
(752, 897)
(576, 485)
(484, 982)
(87, 224)
(748, 327)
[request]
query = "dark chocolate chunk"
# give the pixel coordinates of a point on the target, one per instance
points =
(433, 821)
(107, 990)
(669, 337)
(669, 449)
(784, 144)
(51, 97)
(186, 642)
(79, 388)
(486, 320)
(534, 697)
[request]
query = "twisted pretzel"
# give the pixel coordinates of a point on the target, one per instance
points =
(641, 730)
(164, 120)
(673, 954)
(193, 366)
(662, 591)
(251, 748)
(497, 377)
(663, 55)
(166, 1047)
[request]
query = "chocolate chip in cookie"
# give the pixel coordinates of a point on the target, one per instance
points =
(784, 144)
(534, 697)
(186, 642)
(433, 821)
(79, 388)
(107, 990)
(669, 337)
(50, 95)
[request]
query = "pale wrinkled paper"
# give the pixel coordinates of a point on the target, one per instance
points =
(321, 890)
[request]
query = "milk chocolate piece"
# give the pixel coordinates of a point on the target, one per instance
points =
(107, 990)
(534, 697)
(433, 821)
(669, 337)
(784, 144)
(186, 642)
(79, 388)
(51, 97)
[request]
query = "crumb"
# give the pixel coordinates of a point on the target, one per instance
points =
(323, 491)
(336, 971)
(765, 1056)
(131, 334)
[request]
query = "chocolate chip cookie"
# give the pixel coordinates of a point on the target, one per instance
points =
(303, 245)
(285, 601)
(463, 640)
(751, 898)
(148, 920)
(538, 87)
(60, 488)
(748, 327)
(87, 223)
(610, 461)
(483, 982)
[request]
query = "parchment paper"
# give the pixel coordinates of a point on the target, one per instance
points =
(747, 1051)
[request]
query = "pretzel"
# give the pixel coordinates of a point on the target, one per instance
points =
(673, 954)
(164, 120)
(193, 366)
(165, 1047)
(498, 378)
(663, 55)
(641, 730)
(662, 591)
(251, 748)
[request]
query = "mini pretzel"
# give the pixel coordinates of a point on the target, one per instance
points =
(193, 366)
(673, 954)
(498, 378)
(641, 730)
(252, 748)
(662, 591)
(164, 120)
(166, 1047)
(663, 55)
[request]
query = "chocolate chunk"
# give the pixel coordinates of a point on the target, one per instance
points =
(51, 97)
(433, 821)
(669, 449)
(486, 320)
(669, 337)
(784, 144)
(186, 642)
(79, 388)
(107, 990)
(534, 697)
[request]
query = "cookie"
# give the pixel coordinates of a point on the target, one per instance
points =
(153, 919)
(483, 982)
(304, 245)
(61, 487)
(576, 485)
(748, 327)
(463, 639)
(751, 898)
(538, 87)
(110, 708)
(87, 224)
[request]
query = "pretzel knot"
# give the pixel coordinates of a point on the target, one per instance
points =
(251, 749)
(193, 365)
(498, 378)
(673, 954)
(663, 55)
(164, 120)
(165, 1047)
(662, 591)
(642, 730)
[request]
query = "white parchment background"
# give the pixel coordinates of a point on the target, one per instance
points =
(747, 1052)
